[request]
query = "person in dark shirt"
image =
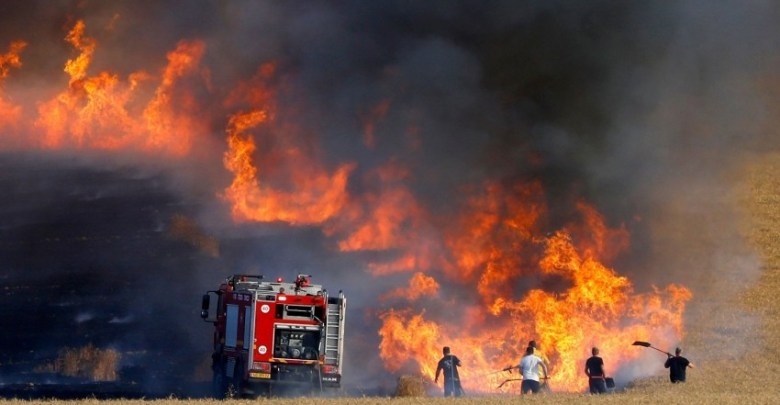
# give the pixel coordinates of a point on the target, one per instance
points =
(594, 368)
(449, 365)
(677, 365)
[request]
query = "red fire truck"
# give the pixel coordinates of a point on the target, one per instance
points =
(269, 334)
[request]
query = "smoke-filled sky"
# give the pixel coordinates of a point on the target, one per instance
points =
(363, 142)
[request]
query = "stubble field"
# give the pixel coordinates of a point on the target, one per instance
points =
(749, 377)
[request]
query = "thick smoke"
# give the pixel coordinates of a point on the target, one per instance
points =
(642, 109)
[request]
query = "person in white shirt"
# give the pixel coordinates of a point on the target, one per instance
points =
(529, 367)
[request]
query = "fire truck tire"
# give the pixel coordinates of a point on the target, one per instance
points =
(224, 386)
(235, 388)
(219, 384)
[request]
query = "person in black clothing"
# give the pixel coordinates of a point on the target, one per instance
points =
(594, 368)
(449, 365)
(677, 365)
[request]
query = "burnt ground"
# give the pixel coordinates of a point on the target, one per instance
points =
(85, 258)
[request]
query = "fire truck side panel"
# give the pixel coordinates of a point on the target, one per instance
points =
(264, 331)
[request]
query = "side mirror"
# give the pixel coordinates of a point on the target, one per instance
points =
(204, 306)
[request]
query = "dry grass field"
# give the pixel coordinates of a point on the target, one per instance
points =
(87, 362)
(748, 378)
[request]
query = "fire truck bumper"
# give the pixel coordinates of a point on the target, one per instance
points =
(331, 380)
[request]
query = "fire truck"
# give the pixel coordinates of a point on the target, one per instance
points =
(274, 334)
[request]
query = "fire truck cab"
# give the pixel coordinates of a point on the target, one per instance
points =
(268, 334)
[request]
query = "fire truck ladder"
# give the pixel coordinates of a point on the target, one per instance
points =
(334, 330)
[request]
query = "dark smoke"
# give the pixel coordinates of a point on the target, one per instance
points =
(87, 259)
(641, 108)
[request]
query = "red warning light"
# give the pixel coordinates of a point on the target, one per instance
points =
(278, 279)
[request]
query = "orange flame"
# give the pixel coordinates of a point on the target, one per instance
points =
(77, 68)
(10, 113)
(386, 217)
(420, 285)
(492, 276)
(591, 306)
(99, 111)
(167, 129)
(421, 340)
(499, 223)
(315, 195)
(380, 217)
(11, 58)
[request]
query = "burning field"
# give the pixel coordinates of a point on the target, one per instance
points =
(475, 175)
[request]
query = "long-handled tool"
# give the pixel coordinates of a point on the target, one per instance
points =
(508, 369)
(494, 372)
(508, 380)
(542, 387)
(647, 344)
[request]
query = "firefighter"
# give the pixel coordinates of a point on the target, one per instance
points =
(449, 365)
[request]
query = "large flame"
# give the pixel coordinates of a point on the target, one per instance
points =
(493, 273)
(104, 112)
(497, 252)
(9, 113)
(315, 195)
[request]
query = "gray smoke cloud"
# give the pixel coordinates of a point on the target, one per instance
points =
(642, 109)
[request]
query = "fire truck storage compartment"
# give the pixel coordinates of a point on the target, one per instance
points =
(300, 312)
(300, 344)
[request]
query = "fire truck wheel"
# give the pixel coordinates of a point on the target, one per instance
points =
(234, 387)
(224, 386)
(219, 384)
